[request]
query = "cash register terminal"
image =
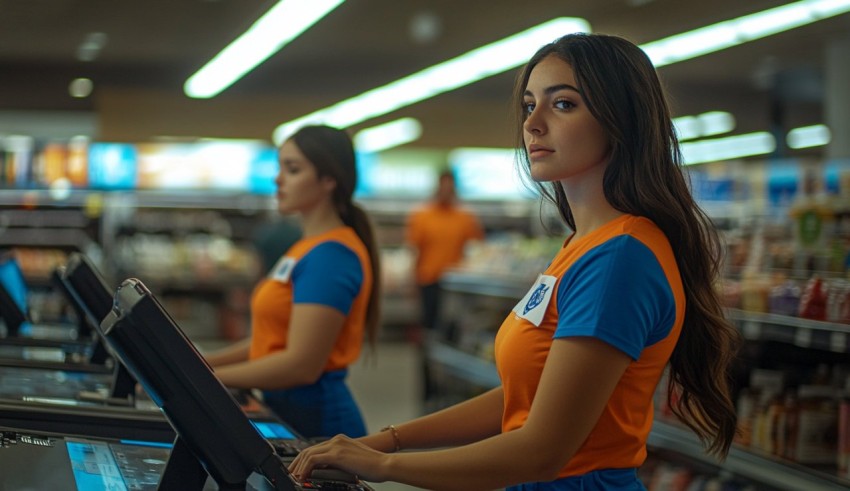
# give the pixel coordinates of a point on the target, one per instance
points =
(215, 440)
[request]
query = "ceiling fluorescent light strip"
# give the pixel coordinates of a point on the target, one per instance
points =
(716, 123)
(687, 127)
(280, 25)
(730, 147)
(726, 34)
(691, 44)
(388, 135)
(706, 124)
(809, 136)
(465, 69)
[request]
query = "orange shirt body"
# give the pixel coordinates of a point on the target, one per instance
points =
(439, 234)
(274, 296)
(620, 284)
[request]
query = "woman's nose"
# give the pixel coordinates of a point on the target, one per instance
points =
(534, 123)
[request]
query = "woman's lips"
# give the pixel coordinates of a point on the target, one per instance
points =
(536, 151)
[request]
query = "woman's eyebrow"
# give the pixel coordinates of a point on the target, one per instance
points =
(555, 88)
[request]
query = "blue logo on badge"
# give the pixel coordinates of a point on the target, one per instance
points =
(536, 298)
(284, 269)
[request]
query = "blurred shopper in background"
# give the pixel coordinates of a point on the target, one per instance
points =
(438, 231)
(309, 316)
(630, 294)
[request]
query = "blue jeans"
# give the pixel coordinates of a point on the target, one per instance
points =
(323, 409)
(601, 480)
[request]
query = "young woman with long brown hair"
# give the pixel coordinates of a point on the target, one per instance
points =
(629, 294)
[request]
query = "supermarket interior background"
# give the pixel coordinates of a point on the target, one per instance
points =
(107, 150)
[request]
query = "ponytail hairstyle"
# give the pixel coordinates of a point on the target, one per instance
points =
(644, 177)
(331, 151)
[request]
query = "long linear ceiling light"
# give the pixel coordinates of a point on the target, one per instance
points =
(388, 135)
(716, 37)
(665, 51)
(751, 144)
(809, 136)
(276, 28)
(730, 147)
(449, 75)
(705, 124)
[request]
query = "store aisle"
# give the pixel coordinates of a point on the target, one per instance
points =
(388, 389)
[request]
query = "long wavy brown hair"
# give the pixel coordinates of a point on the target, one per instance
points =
(331, 151)
(645, 178)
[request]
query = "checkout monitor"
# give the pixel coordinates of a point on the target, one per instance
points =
(87, 286)
(16, 316)
(148, 341)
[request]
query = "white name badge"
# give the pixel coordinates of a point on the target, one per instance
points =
(533, 305)
(283, 269)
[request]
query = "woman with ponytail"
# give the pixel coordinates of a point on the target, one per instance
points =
(312, 312)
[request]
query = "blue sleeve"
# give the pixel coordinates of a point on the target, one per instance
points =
(617, 292)
(330, 274)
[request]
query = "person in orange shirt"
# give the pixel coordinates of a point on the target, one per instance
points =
(438, 232)
(629, 295)
(310, 314)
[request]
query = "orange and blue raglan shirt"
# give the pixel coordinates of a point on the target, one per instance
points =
(620, 284)
(331, 269)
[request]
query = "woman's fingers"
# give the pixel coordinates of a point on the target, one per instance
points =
(339, 452)
(313, 457)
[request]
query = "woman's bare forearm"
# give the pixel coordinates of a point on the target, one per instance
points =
(461, 424)
(235, 353)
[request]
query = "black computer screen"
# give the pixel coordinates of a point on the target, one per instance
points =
(89, 291)
(13, 294)
(84, 326)
(207, 419)
(87, 288)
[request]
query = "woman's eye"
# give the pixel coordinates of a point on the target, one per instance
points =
(563, 104)
(527, 107)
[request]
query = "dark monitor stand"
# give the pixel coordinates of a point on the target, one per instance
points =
(92, 297)
(182, 384)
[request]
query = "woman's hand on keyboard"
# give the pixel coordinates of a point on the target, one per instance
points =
(340, 452)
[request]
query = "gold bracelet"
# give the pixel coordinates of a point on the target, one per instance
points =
(394, 432)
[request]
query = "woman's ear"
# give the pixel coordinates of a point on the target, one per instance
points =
(328, 183)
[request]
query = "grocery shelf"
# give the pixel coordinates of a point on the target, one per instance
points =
(665, 437)
(43, 197)
(764, 469)
(805, 333)
(62, 238)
